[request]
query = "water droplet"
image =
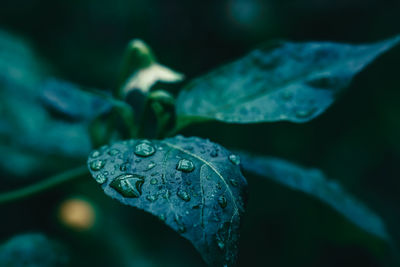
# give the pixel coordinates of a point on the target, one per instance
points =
(124, 166)
(153, 181)
(214, 152)
(105, 173)
(222, 202)
(128, 185)
(97, 165)
(150, 166)
(181, 229)
(113, 152)
(100, 178)
(185, 165)
(162, 217)
(233, 182)
(183, 195)
(302, 114)
(152, 198)
(234, 159)
(95, 154)
(138, 160)
(144, 149)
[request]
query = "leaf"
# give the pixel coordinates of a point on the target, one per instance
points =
(282, 82)
(32, 250)
(141, 70)
(71, 101)
(31, 139)
(313, 182)
(193, 185)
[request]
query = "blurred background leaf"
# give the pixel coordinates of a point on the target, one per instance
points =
(32, 250)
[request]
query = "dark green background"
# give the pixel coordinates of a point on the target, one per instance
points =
(357, 141)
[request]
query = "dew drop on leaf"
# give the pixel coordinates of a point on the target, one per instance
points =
(113, 152)
(151, 198)
(100, 178)
(144, 149)
(153, 181)
(95, 154)
(234, 159)
(305, 113)
(185, 165)
(128, 185)
(222, 202)
(150, 166)
(162, 217)
(233, 182)
(97, 165)
(183, 195)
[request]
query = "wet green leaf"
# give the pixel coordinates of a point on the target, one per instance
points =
(282, 81)
(32, 250)
(189, 183)
(313, 182)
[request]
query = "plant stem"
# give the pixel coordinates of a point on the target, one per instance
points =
(43, 185)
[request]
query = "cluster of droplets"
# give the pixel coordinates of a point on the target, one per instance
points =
(130, 185)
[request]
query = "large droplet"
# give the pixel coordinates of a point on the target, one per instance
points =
(128, 185)
(234, 159)
(144, 149)
(185, 165)
(100, 178)
(222, 202)
(97, 165)
(183, 195)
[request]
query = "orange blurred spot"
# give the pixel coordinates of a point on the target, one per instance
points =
(77, 213)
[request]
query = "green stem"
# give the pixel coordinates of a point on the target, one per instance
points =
(43, 185)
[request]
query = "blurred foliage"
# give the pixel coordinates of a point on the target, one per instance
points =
(356, 140)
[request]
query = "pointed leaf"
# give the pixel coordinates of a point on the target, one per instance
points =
(72, 101)
(193, 185)
(286, 81)
(314, 183)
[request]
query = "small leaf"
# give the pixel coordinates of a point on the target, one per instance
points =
(286, 81)
(189, 183)
(314, 183)
(141, 70)
(32, 250)
(70, 100)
